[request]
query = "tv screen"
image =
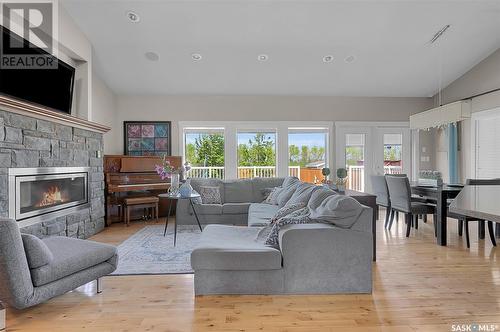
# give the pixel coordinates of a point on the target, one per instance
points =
(49, 87)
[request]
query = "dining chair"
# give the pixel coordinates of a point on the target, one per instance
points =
(391, 213)
(463, 221)
(379, 187)
(401, 200)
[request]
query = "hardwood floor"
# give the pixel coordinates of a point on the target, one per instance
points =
(418, 286)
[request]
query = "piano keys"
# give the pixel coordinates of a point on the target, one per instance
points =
(127, 176)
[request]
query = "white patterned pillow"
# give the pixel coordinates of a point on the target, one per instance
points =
(300, 216)
(286, 210)
(210, 195)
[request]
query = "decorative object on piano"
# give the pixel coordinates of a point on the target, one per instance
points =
(341, 179)
(147, 138)
(430, 178)
(186, 190)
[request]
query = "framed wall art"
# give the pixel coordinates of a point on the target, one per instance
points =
(147, 138)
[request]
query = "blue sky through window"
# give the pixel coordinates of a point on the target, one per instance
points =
(308, 139)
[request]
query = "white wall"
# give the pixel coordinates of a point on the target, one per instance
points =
(75, 48)
(427, 144)
(261, 108)
(482, 78)
(104, 112)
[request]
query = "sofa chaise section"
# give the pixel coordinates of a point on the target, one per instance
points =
(314, 258)
(228, 260)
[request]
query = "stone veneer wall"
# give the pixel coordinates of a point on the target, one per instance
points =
(29, 142)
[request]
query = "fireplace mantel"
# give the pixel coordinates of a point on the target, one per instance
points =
(27, 109)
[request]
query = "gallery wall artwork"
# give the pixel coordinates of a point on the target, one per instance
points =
(147, 138)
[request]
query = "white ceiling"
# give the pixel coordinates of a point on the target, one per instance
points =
(388, 38)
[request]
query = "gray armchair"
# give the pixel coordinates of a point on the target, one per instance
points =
(33, 270)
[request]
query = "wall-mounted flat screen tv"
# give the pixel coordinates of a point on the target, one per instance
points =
(48, 87)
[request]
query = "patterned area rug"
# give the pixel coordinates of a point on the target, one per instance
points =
(149, 252)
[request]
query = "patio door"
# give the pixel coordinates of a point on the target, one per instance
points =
(392, 151)
(354, 153)
(372, 149)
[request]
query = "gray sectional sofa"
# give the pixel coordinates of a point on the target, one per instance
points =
(312, 258)
(236, 195)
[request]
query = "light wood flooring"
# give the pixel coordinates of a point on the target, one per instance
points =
(418, 286)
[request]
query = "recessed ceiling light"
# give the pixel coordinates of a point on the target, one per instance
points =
(196, 56)
(349, 59)
(152, 56)
(133, 17)
(263, 57)
(328, 58)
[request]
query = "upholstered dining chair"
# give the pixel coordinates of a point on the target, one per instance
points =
(463, 221)
(379, 187)
(33, 270)
(401, 200)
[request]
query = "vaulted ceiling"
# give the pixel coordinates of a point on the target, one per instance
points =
(388, 42)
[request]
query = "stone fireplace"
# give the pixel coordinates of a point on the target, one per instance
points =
(44, 192)
(51, 172)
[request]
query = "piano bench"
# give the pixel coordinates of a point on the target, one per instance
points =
(144, 202)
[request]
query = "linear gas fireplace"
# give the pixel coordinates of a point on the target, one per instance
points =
(35, 194)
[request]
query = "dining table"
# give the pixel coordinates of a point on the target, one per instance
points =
(479, 202)
(439, 195)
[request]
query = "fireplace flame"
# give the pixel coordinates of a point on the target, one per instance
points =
(51, 196)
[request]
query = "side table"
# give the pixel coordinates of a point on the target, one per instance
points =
(174, 198)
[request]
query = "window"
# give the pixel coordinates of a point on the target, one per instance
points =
(204, 150)
(355, 160)
(307, 153)
(248, 149)
(256, 154)
(393, 153)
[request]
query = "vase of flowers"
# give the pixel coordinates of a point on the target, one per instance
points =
(167, 171)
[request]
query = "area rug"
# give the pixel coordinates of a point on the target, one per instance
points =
(149, 252)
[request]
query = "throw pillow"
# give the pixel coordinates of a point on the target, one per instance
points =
(210, 195)
(318, 196)
(302, 194)
(285, 195)
(300, 216)
(196, 200)
(286, 210)
(270, 195)
(37, 252)
(290, 180)
(339, 210)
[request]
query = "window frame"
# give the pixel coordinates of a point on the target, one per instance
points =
(280, 128)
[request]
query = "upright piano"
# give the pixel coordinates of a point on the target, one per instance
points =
(127, 176)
